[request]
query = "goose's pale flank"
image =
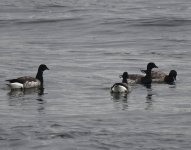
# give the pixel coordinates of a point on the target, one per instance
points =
(27, 81)
(161, 77)
(147, 79)
(122, 86)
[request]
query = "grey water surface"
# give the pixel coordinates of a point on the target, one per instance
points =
(87, 44)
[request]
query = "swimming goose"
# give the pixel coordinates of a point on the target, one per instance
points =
(147, 79)
(121, 87)
(161, 77)
(27, 81)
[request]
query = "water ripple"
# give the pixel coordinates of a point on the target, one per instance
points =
(161, 22)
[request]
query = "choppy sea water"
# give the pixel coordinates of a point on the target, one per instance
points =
(87, 45)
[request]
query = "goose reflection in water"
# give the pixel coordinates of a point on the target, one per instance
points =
(149, 98)
(120, 100)
(26, 97)
(18, 93)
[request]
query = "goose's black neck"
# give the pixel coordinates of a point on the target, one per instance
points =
(147, 79)
(124, 80)
(148, 74)
(169, 79)
(39, 76)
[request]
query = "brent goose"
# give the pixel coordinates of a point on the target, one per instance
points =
(121, 87)
(161, 77)
(147, 79)
(27, 81)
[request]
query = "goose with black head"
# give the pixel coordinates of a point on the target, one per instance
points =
(26, 82)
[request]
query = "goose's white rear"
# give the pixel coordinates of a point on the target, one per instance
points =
(15, 85)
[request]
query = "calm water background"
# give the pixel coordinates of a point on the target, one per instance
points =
(87, 45)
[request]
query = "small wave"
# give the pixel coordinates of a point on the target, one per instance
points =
(53, 5)
(40, 21)
(64, 136)
(56, 6)
(153, 21)
(35, 21)
(161, 21)
(72, 134)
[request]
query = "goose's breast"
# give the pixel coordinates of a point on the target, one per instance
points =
(31, 84)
